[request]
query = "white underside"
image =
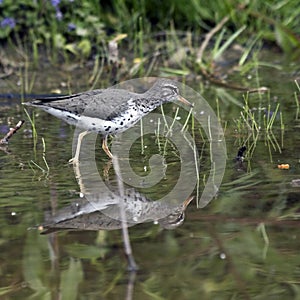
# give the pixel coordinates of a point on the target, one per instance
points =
(95, 124)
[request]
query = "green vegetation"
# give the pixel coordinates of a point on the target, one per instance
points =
(83, 28)
(126, 39)
(244, 244)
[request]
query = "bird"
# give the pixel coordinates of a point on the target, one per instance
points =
(108, 111)
(102, 211)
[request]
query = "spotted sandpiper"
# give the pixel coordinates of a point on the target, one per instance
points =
(108, 111)
(101, 211)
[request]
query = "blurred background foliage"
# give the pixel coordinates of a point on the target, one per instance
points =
(83, 27)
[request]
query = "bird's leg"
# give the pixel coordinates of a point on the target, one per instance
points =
(75, 159)
(105, 147)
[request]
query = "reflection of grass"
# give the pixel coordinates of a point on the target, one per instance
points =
(168, 149)
(297, 100)
(45, 170)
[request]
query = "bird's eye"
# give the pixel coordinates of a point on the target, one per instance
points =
(166, 92)
(181, 217)
(174, 90)
(170, 90)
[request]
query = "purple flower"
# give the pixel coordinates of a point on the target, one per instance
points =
(71, 26)
(55, 3)
(59, 15)
(8, 22)
(1, 1)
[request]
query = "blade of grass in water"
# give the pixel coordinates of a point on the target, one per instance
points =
(228, 43)
(34, 132)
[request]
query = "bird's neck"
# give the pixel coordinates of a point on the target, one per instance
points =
(146, 104)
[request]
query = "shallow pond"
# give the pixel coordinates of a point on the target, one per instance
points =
(244, 244)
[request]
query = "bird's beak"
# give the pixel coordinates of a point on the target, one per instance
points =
(184, 101)
(187, 201)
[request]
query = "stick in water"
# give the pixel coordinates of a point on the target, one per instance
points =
(11, 132)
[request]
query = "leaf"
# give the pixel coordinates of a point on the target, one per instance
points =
(33, 267)
(80, 31)
(70, 280)
(71, 48)
(59, 40)
(86, 251)
(32, 263)
(169, 71)
(229, 42)
(6, 290)
(85, 47)
(284, 40)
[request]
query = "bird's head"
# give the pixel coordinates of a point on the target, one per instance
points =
(167, 91)
(175, 218)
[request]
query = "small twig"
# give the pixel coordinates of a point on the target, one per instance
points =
(7, 73)
(208, 37)
(11, 132)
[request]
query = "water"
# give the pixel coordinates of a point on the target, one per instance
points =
(242, 245)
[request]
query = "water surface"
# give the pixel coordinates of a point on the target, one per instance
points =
(242, 245)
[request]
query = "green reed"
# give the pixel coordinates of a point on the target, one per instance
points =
(34, 132)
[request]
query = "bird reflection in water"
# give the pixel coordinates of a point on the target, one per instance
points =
(102, 212)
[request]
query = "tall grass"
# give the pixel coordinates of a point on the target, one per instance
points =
(80, 27)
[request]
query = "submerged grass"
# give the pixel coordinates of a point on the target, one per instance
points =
(32, 164)
(250, 129)
(34, 132)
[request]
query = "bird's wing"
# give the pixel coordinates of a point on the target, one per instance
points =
(97, 103)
